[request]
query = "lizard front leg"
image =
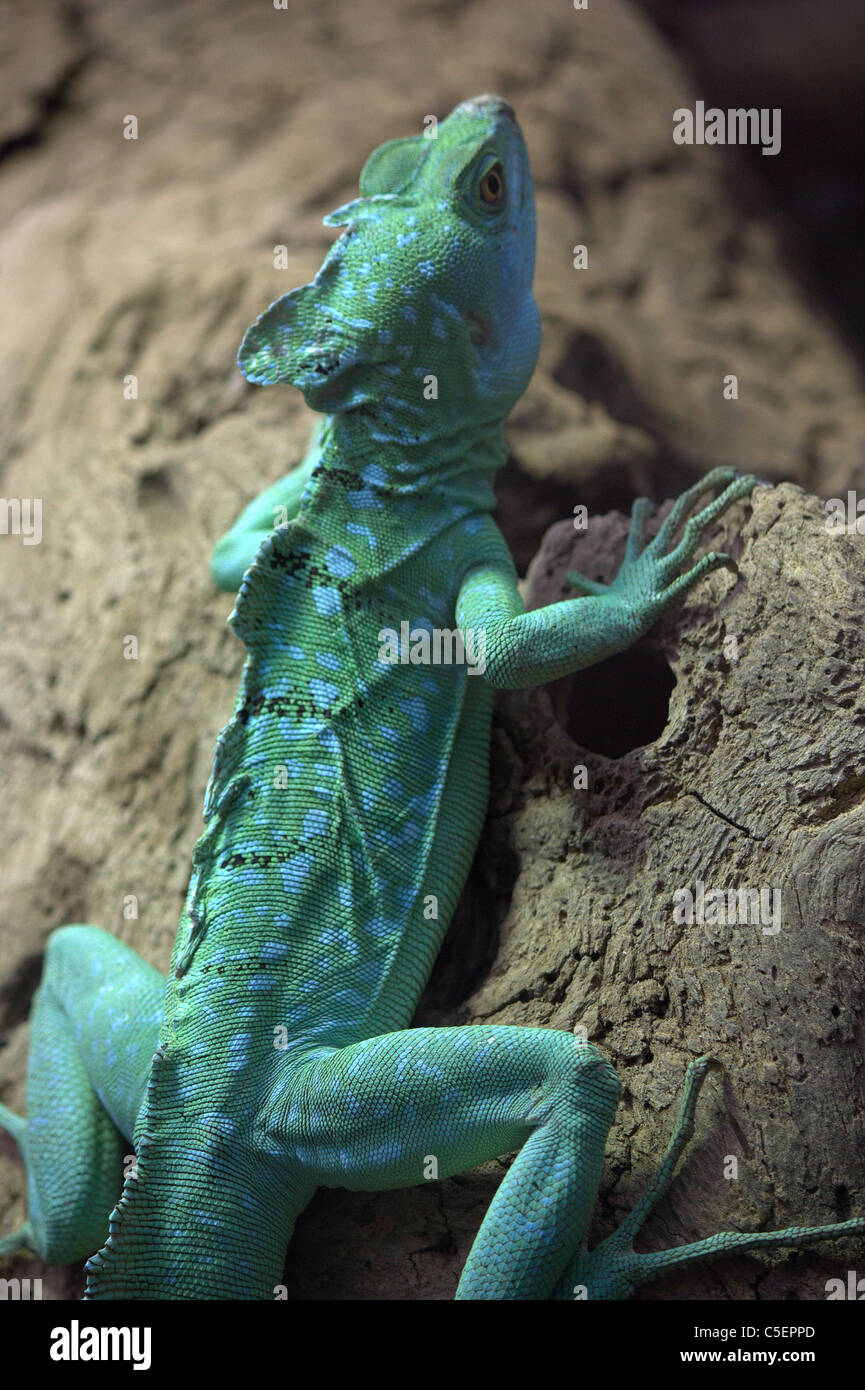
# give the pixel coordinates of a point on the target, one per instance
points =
(524, 649)
(235, 551)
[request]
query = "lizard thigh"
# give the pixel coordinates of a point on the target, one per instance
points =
(423, 1103)
(95, 1025)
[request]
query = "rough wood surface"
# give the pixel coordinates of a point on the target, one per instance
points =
(150, 257)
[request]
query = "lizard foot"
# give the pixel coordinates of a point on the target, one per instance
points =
(614, 1269)
(648, 579)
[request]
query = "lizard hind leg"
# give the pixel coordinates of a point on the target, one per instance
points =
(94, 1027)
(614, 1269)
(24, 1237)
(426, 1103)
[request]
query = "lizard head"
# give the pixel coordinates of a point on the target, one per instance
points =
(422, 317)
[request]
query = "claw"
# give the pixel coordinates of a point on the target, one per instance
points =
(758, 482)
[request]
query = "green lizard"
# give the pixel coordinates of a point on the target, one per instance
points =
(345, 803)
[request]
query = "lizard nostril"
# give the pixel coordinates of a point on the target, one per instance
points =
(489, 104)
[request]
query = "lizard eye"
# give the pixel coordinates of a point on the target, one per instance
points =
(492, 185)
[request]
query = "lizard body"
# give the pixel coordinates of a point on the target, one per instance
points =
(346, 800)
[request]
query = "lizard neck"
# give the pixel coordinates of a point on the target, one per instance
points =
(400, 460)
